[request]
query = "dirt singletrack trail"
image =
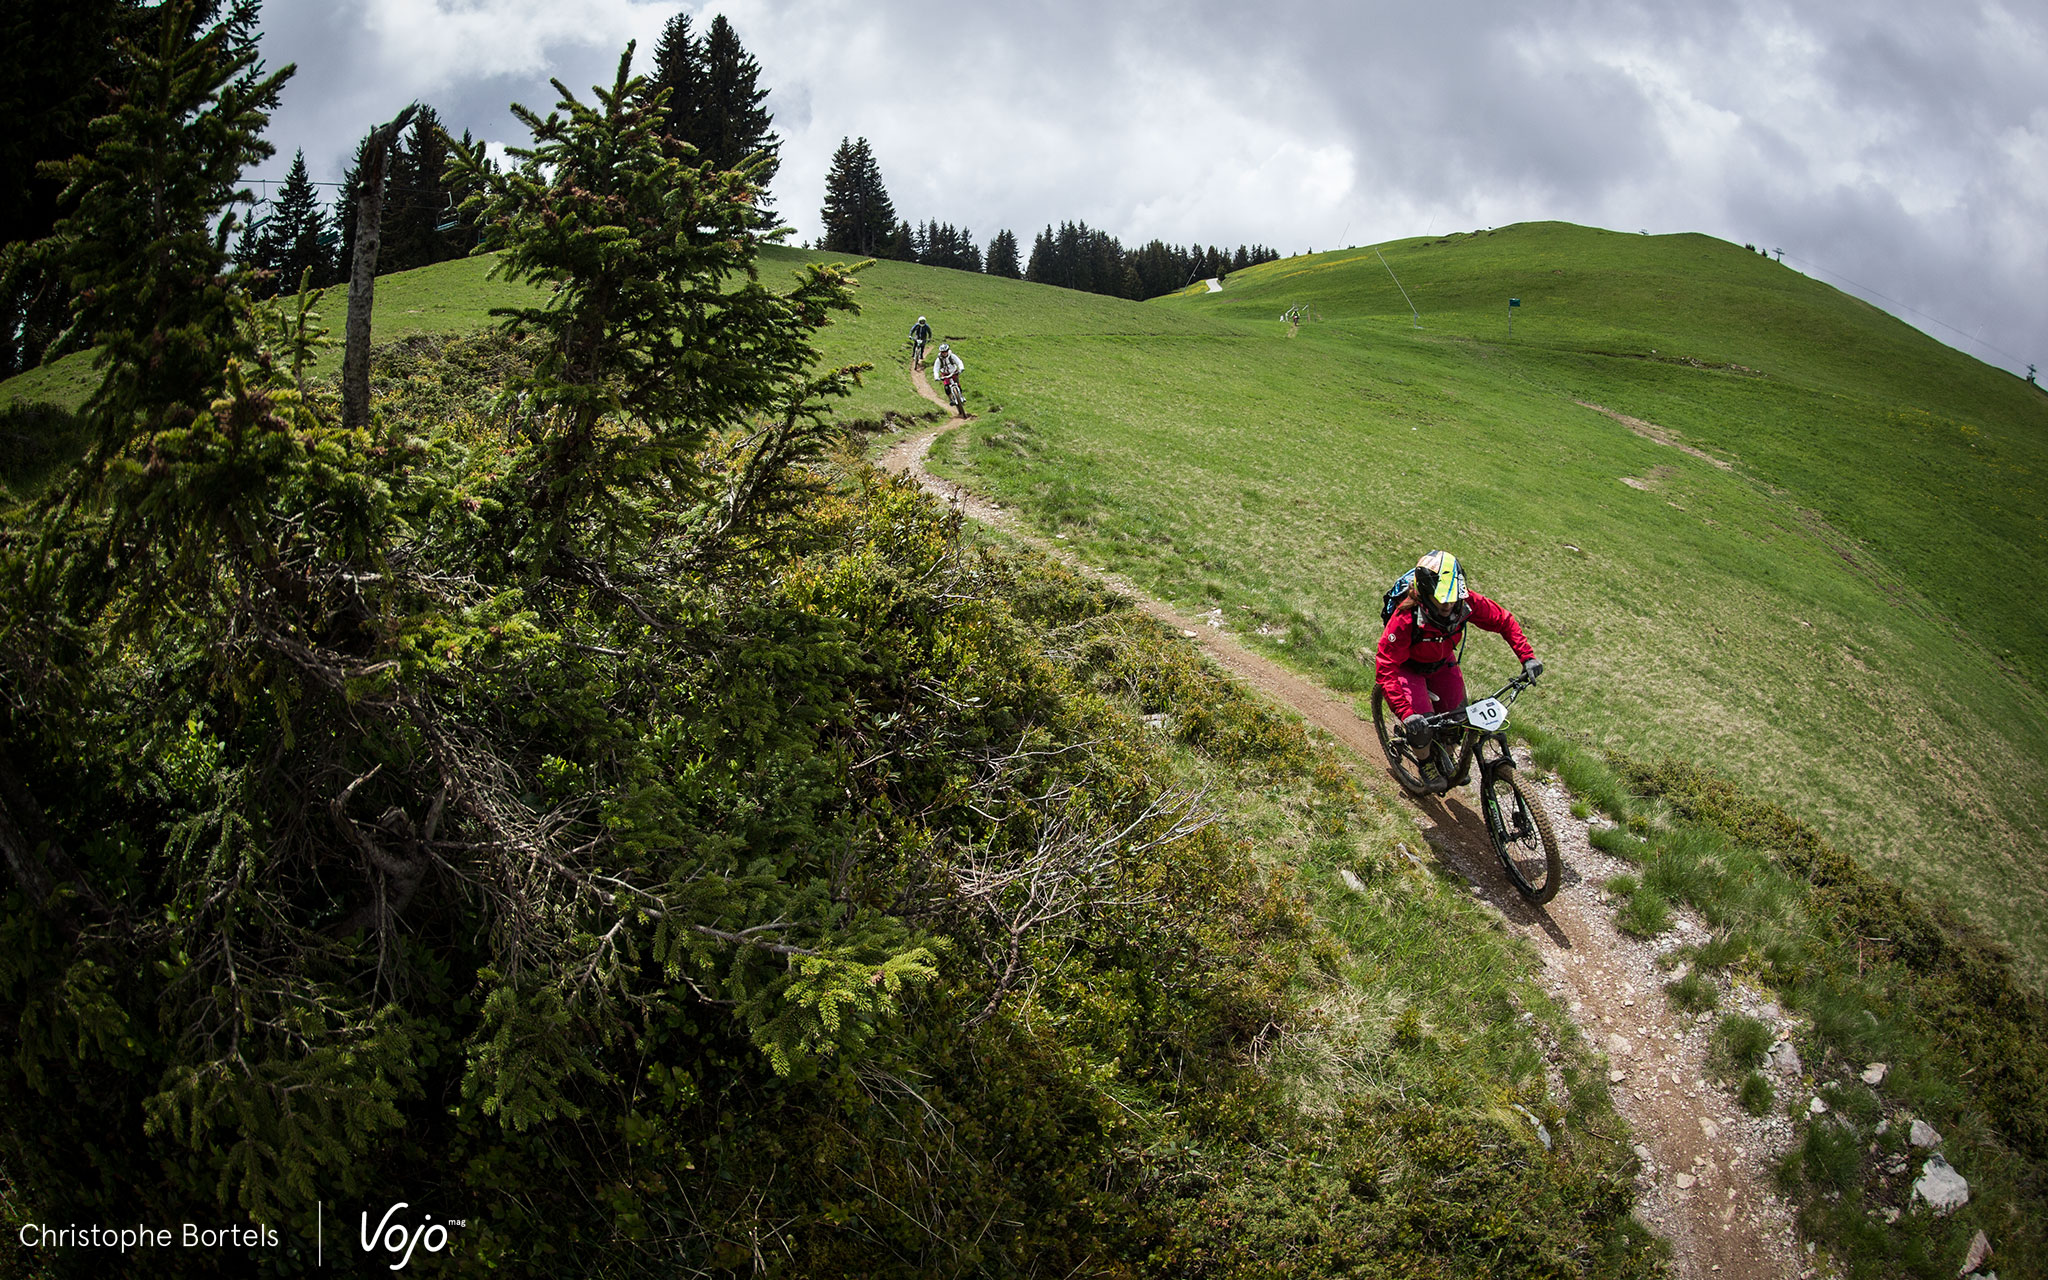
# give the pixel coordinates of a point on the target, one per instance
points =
(1704, 1184)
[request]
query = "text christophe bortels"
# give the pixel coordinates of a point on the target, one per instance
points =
(190, 1235)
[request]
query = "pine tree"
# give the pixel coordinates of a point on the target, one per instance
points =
(940, 244)
(858, 215)
(291, 242)
(731, 124)
(1002, 255)
(57, 59)
(417, 202)
(905, 244)
(679, 70)
(457, 187)
(423, 220)
(734, 124)
(644, 250)
(1041, 267)
(166, 163)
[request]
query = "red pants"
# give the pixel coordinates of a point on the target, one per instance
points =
(1447, 683)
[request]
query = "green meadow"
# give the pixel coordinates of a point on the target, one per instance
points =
(1811, 558)
(1815, 563)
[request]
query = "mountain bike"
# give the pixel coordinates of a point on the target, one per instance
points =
(954, 395)
(916, 353)
(1520, 830)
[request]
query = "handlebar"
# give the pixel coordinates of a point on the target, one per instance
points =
(1507, 693)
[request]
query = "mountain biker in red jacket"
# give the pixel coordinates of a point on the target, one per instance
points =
(1418, 652)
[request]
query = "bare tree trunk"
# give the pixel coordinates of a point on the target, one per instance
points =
(362, 285)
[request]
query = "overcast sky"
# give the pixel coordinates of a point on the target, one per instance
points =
(1895, 148)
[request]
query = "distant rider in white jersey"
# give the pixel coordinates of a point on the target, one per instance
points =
(946, 369)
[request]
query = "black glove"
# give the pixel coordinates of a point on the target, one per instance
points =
(1416, 730)
(1533, 668)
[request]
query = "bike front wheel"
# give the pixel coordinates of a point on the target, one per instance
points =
(1521, 835)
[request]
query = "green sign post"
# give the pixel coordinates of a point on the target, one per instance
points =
(1512, 304)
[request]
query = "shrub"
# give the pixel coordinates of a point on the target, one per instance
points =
(1692, 994)
(1619, 842)
(36, 441)
(1757, 1094)
(1831, 1154)
(1741, 1041)
(1645, 914)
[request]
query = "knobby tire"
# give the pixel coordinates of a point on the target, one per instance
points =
(1506, 810)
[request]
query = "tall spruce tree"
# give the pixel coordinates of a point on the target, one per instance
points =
(291, 244)
(417, 201)
(731, 124)
(679, 70)
(141, 225)
(57, 61)
(858, 215)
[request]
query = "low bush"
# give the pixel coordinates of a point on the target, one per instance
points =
(1644, 914)
(1692, 994)
(1741, 1042)
(1757, 1094)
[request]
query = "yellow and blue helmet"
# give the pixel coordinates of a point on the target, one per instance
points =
(1440, 584)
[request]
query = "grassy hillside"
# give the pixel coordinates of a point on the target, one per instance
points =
(1814, 562)
(1810, 606)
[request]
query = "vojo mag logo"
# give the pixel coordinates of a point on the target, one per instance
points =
(398, 1235)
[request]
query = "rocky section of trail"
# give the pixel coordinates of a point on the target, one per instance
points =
(1704, 1180)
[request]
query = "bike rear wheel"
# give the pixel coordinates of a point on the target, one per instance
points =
(1521, 835)
(1401, 758)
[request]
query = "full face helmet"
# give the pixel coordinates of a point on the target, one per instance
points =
(943, 348)
(1440, 582)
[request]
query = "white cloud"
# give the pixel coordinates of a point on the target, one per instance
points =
(436, 43)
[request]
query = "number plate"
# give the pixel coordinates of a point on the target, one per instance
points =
(1486, 715)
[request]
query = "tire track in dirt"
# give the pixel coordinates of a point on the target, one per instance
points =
(1704, 1183)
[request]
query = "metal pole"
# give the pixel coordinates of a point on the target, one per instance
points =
(1397, 284)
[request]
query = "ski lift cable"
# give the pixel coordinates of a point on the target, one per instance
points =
(1902, 306)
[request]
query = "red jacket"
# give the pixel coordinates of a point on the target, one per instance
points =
(1407, 644)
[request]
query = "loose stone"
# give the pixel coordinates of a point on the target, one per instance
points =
(1941, 1186)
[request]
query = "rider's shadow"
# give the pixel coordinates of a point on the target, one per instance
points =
(1462, 845)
